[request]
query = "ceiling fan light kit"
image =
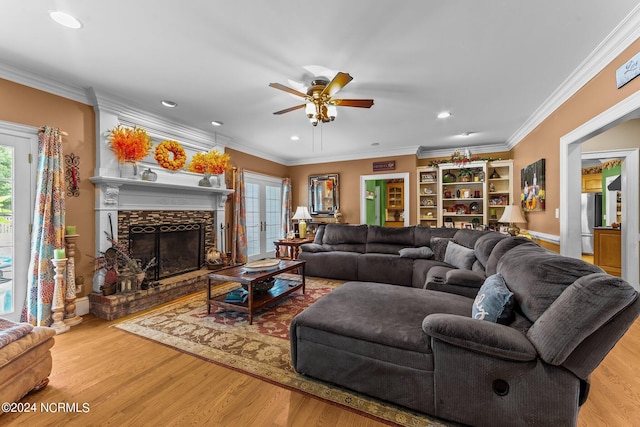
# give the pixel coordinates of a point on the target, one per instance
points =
(320, 106)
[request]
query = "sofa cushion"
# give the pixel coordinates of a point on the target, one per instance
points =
(583, 308)
(468, 238)
(345, 238)
(485, 244)
(502, 247)
(537, 276)
(314, 247)
(494, 302)
(439, 247)
(423, 235)
(332, 264)
(385, 268)
(319, 234)
(336, 234)
(423, 252)
(459, 256)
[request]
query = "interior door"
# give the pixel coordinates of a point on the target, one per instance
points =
(16, 178)
(263, 202)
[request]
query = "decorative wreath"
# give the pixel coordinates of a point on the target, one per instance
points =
(170, 155)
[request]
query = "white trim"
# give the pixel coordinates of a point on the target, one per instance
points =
(425, 152)
(611, 47)
(550, 238)
(407, 189)
(82, 306)
(571, 186)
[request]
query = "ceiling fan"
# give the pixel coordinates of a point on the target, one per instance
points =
(320, 106)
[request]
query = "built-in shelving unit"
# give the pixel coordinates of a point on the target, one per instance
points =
(500, 195)
(462, 194)
(427, 196)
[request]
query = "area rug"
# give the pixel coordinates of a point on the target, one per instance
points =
(261, 349)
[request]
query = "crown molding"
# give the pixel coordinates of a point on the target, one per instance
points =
(75, 93)
(427, 153)
(605, 53)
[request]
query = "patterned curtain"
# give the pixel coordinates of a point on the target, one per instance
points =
(48, 227)
(286, 206)
(239, 221)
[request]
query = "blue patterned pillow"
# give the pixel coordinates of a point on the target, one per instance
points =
(494, 301)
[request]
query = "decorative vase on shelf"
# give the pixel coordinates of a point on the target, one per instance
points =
(216, 180)
(129, 169)
(149, 175)
(205, 181)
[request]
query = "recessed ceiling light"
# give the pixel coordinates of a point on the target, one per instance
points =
(216, 123)
(169, 104)
(444, 114)
(468, 134)
(295, 138)
(65, 19)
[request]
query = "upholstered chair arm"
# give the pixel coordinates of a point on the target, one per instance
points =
(454, 281)
(480, 336)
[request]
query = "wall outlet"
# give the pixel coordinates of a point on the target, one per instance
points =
(557, 212)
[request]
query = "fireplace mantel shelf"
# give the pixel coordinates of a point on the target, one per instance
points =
(126, 182)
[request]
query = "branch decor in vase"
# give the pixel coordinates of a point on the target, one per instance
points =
(130, 145)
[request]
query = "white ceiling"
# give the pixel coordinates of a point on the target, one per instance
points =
(492, 63)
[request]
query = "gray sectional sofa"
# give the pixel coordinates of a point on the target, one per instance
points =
(517, 352)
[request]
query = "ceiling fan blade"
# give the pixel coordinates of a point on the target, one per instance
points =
(287, 89)
(339, 81)
(361, 103)
(286, 110)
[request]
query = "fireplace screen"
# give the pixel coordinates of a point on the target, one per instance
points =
(178, 248)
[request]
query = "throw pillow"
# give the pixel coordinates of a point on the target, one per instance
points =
(494, 301)
(421, 252)
(439, 247)
(459, 256)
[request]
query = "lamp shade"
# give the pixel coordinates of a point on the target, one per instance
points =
(513, 215)
(301, 213)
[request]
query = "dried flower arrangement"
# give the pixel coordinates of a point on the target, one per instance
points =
(129, 144)
(213, 162)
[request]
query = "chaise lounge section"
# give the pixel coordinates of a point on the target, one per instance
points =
(424, 350)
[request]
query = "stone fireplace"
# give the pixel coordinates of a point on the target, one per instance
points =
(172, 218)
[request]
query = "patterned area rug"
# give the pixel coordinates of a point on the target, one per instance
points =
(262, 349)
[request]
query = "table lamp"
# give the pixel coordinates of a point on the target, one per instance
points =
(513, 214)
(302, 215)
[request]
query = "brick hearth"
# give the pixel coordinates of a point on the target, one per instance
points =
(115, 306)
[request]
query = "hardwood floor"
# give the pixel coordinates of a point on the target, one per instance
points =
(125, 380)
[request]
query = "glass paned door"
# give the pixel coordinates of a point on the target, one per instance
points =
(15, 215)
(263, 202)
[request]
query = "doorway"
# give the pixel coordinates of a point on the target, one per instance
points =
(570, 186)
(263, 203)
(369, 181)
(16, 177)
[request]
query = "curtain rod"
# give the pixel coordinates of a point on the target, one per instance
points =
(63, 133)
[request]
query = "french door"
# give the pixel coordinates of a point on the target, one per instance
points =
(16, 213)
(263, 203)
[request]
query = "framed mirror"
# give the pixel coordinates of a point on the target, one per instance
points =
(324, 197)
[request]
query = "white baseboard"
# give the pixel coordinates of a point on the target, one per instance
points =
(82, 306)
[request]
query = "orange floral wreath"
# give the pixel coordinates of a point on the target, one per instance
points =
(170, 155)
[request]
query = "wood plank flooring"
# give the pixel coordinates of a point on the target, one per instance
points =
(130, 381)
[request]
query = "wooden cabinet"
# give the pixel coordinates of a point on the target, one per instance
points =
(592, 183)
(394, 216)
(427, 196)
(607, 250)
(395, 199)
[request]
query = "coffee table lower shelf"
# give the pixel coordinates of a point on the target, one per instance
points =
(280, 289)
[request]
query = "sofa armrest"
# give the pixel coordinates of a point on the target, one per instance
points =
(481, 336)
(467, 278)
(454, 281)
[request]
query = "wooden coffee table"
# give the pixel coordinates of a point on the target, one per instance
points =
(256, 300)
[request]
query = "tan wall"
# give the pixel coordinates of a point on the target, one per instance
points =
(27, 106)
(596, 96)
(623, 136)
(350, 172)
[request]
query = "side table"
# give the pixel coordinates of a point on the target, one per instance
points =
(293, 246)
